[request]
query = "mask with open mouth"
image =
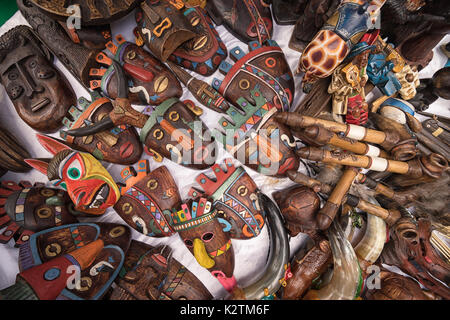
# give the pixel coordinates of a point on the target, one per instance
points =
(90, 186)
(40, 94)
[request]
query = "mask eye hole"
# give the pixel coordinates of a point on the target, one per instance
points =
(33, 64)
(188, 243)
(47, 192)
(74, 170)
(44, 213)
(13, 76)
(208, 236)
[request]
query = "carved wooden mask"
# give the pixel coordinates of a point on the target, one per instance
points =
(40, 93)
(27, 208)
(147, 199)
(150, 81)
(233, 193)
(55, 242)
(151, 273)
(89, 185)
(119, 145)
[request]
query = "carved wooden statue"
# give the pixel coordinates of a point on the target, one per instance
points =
(12, 153)
(40, 94)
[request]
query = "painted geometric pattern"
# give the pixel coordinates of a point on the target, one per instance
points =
(242, 212)
(174, 284)
(20, 205)
(148, 203)
(78, 241)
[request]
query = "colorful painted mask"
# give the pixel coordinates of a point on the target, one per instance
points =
(40, 94)
(335, 40)
(53, 243)
(147, 199)
(206, 51)
(27, 208)
(151, 273)
(163, 26)
(264, 68)
(256, 139)
(149, 81)
(233, 194)
(89, 185)
(204, 235)
(118, 145)
(247, 20)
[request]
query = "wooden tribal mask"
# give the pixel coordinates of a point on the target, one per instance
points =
(27, 208)
(247, 20)
(40, 94)
(206, 51)
(163, 26)
(233, 194)
(204, 234)
(90, 187)
(265, 68)
(119, 144)
(151, 273)
(56, 242)
(255, 138)
(150, 82)
(147, 199)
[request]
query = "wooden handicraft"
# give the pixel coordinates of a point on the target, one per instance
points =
(92, 37)
(247, 20)
(150, 82)
(90, 187)
(151, 273)
(286, 12)
(147, 199)
(12, 153)
(47, 281)
(95, 281)
(163, 27)
(40, 94)
(336, 39)
(233, 194)
(78, 59)
(119, 145)
(90, 12)
(27, 208)
(207, 238)
(432, 89)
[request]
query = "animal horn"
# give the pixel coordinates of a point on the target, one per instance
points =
(102, 125)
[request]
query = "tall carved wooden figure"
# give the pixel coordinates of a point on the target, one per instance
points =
(147, 199)
(40, 94)
(204, 235)
(90, 186)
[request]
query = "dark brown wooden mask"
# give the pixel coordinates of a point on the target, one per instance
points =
(151, 273)
(150, 81)
(55, 242)
(287, 12)
(12, 153)
(206, 51)
(119, 145)
(26, 208)
(147, 199)
(233, 193)
(163, 26)
(247, 20)
(40, 93)
(92, 37)
(173, 131)
(203, 234)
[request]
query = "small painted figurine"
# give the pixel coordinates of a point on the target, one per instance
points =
(89, 185)
(347, 87)
(120, 144)
(40, 93)
(147, 199)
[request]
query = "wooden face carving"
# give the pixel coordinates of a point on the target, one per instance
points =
(203, 234)
(55, 242)
(153, 274)
(233, 193)
(247, 20)
(256, 139)
(147, 200)
(119, 145)
(163, 26)
(150, 81)
(27, 209)
(173, 131)
(206, 51)
(264, 68)
(40, 93)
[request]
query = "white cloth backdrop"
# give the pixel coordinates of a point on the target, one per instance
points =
(251, 254)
